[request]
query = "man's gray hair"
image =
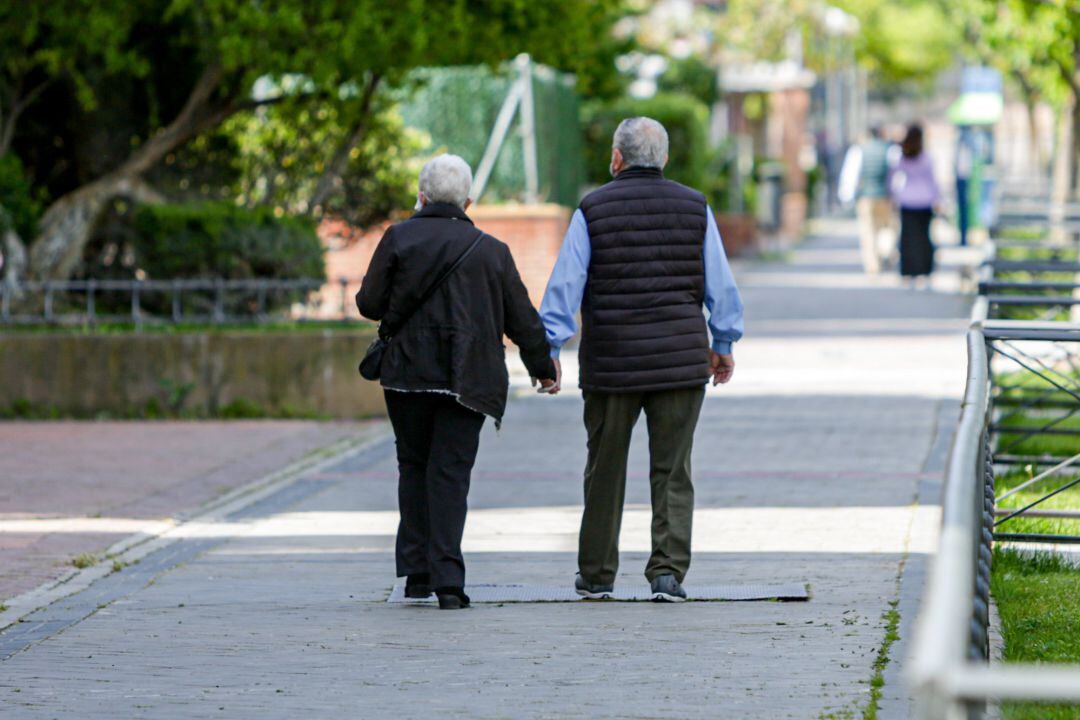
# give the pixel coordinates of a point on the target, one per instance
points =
(642, 141)
(447, 179)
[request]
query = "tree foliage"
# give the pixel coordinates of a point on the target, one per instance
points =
(1020, 39)
(1036, 45)
(902, 42)
(109, 89)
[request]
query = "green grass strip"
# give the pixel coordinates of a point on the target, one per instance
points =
(1038, 600)
(877, 679)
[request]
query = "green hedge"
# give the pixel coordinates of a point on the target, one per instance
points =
(203, 240)
(684, 117)
(219, 240)
(20, 207)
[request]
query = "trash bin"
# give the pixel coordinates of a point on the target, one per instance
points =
(770, 185)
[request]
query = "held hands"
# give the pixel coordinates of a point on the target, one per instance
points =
(549, 386)
(722, 367)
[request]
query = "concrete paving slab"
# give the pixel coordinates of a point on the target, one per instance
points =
(811, 465)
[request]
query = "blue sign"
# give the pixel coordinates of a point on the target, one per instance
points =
(980, 80)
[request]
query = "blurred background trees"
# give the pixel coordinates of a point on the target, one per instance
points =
(327, 108)
(287, 104)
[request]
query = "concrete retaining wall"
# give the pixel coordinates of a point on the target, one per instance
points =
(304, 372)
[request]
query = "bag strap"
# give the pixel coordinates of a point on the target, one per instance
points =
(384, 332)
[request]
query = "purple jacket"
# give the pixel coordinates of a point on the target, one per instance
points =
(912, 183)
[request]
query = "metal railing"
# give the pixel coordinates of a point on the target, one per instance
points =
(1034, 207)
(948, 671)
(217, 301)
(1053, 297)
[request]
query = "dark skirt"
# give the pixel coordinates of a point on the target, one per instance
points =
(916, 250)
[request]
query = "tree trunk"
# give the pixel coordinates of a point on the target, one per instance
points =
(1074, 154)
(330, 181)
(1036, 161)
(67, 224)
(14, 259)
(1060, 183)
(17, 103)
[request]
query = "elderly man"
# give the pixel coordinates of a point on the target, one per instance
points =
(641, 257)
(446, 293)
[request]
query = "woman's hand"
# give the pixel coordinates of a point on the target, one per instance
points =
(547, 385)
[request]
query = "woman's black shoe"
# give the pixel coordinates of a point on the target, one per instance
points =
(452, 598)
(418, 586)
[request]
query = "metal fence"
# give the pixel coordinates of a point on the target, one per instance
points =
(1033, 207)
(1023, 382)
(949, 671)
(1036, 402)
(466, 107)
(216, 301)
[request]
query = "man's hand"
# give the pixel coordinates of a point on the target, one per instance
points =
(722, 367)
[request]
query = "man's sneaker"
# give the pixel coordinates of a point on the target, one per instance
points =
(665, 588)
(592, 592)
(418, 587)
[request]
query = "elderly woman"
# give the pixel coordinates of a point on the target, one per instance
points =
(444, 369)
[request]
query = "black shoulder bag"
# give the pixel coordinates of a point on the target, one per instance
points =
(371, 365)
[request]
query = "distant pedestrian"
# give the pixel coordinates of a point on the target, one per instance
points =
(964, 166)
(446, 294)
(865, 179)
(974, 151)
(916, 193)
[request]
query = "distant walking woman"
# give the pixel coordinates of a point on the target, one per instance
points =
(916, 193)
(446, 294)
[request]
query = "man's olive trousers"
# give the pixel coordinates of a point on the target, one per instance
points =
(671, 416)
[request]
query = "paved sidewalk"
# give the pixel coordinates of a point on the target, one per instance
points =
(819, 463)
(78, 487)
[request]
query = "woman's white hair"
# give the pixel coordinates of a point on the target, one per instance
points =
(446, 179)
(642, 141)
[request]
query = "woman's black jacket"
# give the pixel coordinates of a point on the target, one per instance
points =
(454, 342)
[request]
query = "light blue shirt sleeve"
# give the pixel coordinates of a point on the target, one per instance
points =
(721, 295)
(565, 289)
(567, 285)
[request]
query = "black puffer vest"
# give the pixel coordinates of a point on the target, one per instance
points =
(643, 328)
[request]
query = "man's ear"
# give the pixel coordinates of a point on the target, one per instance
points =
(468, 202)
(665, 162)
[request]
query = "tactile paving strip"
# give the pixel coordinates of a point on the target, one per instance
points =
(561, 593)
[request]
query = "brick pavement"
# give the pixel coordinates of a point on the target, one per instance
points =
(119, 473)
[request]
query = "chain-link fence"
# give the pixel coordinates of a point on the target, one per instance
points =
(458, 107)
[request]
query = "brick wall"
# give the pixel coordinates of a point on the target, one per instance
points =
(534, 234)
